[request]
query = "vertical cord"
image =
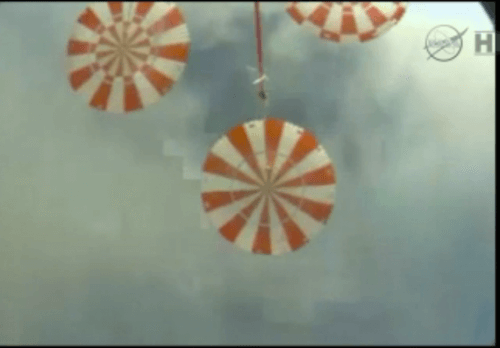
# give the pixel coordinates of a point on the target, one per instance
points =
(258, 36)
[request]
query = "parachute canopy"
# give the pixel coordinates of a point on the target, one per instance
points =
(123, 56)
(268, 186)
(347, 21)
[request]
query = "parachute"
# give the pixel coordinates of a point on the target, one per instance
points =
(268, 186)
(347, 21)
(124, 56)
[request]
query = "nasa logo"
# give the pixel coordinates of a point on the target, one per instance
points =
(444, 43)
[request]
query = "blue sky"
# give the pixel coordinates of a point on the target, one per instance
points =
(101, 237)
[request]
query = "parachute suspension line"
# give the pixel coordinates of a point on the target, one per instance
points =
(258, 37)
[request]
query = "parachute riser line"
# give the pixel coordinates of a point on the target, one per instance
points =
(258, 37)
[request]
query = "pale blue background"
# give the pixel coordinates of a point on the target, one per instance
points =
(101, 238)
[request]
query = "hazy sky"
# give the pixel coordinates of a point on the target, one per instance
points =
(101, 238)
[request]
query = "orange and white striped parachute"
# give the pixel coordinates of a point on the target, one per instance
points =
(268, 186)
(124, 56)
(347, 21)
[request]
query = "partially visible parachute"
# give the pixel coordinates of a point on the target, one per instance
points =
(347, 21)
(124, 56)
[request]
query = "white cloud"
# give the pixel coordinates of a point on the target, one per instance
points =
(412, 140)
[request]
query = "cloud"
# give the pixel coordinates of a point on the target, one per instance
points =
(99, 214)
